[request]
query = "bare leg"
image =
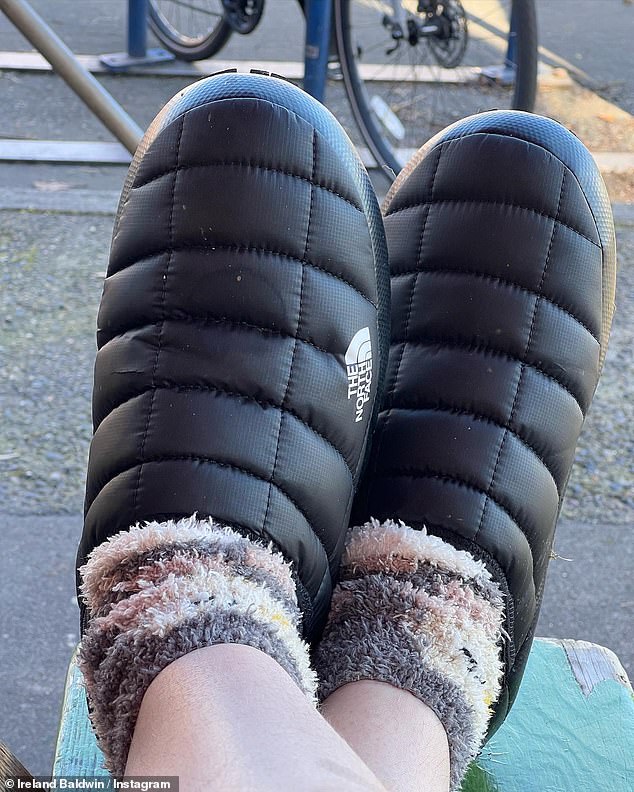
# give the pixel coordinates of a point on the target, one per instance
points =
(421, 620)
(398, 737)
(228, 717)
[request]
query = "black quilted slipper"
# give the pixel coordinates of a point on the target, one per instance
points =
(242, 334)
(502, 259)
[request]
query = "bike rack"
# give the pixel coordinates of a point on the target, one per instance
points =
(505, 74)
(138, 54)
(61, 58)
(101, 103)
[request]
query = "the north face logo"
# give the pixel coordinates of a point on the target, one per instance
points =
(359, 367)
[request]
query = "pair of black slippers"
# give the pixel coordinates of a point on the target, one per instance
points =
(275, 354)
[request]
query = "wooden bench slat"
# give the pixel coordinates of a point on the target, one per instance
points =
(570, 730)
(77, 752)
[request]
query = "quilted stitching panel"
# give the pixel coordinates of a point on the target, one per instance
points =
(245, 258)
(501, 253)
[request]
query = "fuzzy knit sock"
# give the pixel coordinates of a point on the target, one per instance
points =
(159, 591)
(413, 611)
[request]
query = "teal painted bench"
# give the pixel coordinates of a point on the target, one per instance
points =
(571, 729)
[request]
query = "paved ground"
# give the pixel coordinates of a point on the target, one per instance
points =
(589, 596)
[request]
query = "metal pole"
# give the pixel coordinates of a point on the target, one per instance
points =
(113, 116)
(512, 40)
(318, 22)
(137, 28)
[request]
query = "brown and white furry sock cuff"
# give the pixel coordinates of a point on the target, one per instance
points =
(413, 611)
(162, 590)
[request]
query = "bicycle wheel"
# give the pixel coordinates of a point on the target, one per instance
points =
(411, 68)
(191, 29)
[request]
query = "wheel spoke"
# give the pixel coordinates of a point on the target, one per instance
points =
(192, 29)
(193, 7)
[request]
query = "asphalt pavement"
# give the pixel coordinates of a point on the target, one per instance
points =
(65, 212)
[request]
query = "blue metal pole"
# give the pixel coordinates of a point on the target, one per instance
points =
(512, 44)
(318, 21)
(137, 28)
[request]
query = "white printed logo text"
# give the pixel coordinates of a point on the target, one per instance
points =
(359, 368)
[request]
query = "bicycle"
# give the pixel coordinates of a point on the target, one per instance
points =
(409, 67)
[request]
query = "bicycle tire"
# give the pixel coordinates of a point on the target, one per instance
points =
(185, 41)
(421, 118)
